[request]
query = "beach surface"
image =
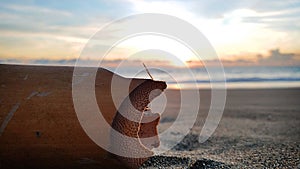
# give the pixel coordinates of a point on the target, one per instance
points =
(39, 127)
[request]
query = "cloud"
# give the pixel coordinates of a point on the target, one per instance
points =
(274, 58)
(37, 20)
(217, 8)
(277, 58)
(58, 16)
(236, 26)
(36, 9)
(112, 64)
(58, 29)
(61, 62)
(282, 20)
(52, 29)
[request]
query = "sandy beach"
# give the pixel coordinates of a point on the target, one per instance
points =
(39, 127)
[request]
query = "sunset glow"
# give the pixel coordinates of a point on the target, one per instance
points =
(57, 31)
(179, 54)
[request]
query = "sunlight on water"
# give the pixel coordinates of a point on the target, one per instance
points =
(236, 77)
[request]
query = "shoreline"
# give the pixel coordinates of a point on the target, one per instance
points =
(261, 85)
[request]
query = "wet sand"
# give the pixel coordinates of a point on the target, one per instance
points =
(259, 127)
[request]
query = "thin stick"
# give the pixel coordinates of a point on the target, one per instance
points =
(148, 71)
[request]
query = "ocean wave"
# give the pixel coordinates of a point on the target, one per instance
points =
(233, 80)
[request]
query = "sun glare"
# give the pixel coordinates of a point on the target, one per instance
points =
(178, 54)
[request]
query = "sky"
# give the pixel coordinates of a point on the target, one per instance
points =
(242, 32)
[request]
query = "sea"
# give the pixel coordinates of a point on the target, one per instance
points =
(228, 77)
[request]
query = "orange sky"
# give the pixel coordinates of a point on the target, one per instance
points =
(244, 33)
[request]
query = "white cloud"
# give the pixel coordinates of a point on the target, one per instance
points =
(241, 27)
(37, 9)
(234, 28)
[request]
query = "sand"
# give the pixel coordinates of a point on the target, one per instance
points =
(259, 127)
